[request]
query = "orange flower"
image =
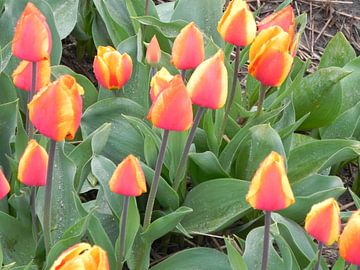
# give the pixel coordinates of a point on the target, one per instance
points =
(188, 48)
(33, 165)
(153, 52)
(270, 189)
(172, 109)
(56, 109)
(323, 221)
(208, 84)
(159, 83)
(4, 185)
(82, 256)
(349, 241)
(128, 178)
(270, 56)
(22, 75)
(112, 69)
(237, 26)
(32, 37)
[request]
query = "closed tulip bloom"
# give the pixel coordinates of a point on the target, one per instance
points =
(270, 56)
(270, 189)
(56, 109)
(188, 48)
(237, 25)
(159, 83)
(4, 185)
(33, 165)
(153, 52)
(172, 109)
(349, 241)
(22, 75)
(323, 221)
(32, 37)
(128, 178)
(112, 69)
(82, 256)
(208, 85)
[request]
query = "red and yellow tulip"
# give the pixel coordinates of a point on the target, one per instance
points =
(349, 241)
(4, 185)
(56, 109)
(153, 52)
(159, 83)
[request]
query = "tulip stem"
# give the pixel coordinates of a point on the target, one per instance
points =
(47, 203)
(265, 256)
(155, 181)
(183, 74)
(358, 268)
(320, 248)
(123, 232)
(29, 125)
(232, 93)
(153, 71)
(262, 94)
(146, 7)
(33, 211)
(184, 157)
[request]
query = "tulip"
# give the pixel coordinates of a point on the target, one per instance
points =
(237, 26)
(56, 110)
(32, 37)
(33, 165)
(112, 69)
(188, 48)
(349, 241)
(159, 82)
(4, 185)
(153, 52)
(82, 256)
(22, 75)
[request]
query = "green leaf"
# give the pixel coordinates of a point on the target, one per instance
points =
(5, 54)
(165, 11)
(139, 258)
(8, 91)
(355, 198)
(339, 264)
(216, 204)
(236, 260)
(337, 52)
(195, 258)
(350, 85)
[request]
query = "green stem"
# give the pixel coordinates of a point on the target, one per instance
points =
(320, 248)
(117, 92)
(33, 211)
(180, 171)
(155, 182)
(29, 125)
(262, 94)
(153, 71)
(183, 74)
(146, 7)
(265, 256)
(47, 203)
(123, 232)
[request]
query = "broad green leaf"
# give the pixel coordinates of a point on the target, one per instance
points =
(119, 13)
(236, 260)
(8, 91)
(139, 257)
(5, 54)
(165, 11)
(350, 85)
(20, 203)
(99, 32)
(355, 198)
(339, 264)
(195, 258)
(175, 147)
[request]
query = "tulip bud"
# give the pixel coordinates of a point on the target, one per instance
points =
(128, 178)
(208, 85)
(22, 75)
(159, 82)
(270, 189)
(349, 241)
(82, 256)
(237, 25)
(4, 185)
(56, 109)
(32, 37)
(172, 109)
(188, 48)
(323, 221)
(270, 58)
(153, 52)
(112, 69)
(33, 165)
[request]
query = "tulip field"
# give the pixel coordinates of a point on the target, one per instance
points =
(183, 135)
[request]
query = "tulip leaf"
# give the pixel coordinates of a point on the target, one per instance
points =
(5, 54)
(195, 258)
(236, 260)
(8, 92)
(350, 85)
(165, 11)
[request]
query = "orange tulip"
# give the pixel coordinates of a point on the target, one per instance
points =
(4, 185)
(22, 75)
(172, 109)
(159, 83)
(128, 178)
(33, 165)
(153, 52)
(188, 49)
(56, 109)
(270, 189)
(208, 85)
(270, 56)
(32, 37)
(349, 241)
(237, 26)
(82, 256)
(323, 221)
(112, 69)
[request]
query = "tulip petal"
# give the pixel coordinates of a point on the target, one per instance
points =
(124, 70)
(69, 255)
(101, 72)
(349, 241)
(4, 185)
(159, 82)
(153, 52)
